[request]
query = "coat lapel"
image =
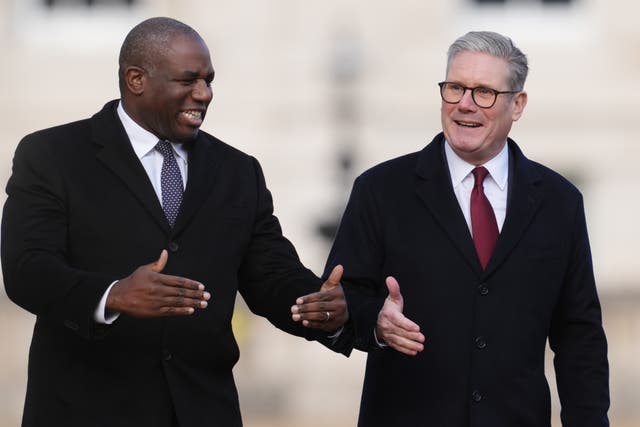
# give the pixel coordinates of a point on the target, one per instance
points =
(524, 201)
(433, 187)
(204, 163)
(116, 153)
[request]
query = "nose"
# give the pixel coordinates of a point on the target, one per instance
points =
(467, 102)
(202, 91)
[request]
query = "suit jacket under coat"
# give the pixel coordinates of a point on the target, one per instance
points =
(81, 213)
(483, 362)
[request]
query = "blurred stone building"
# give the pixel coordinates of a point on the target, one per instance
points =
(320, 91)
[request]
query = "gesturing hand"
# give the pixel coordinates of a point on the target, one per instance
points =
(394, 328)
(148, 293)
(326, 309)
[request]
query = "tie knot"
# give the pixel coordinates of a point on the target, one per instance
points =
(479, 174)
(164, 148)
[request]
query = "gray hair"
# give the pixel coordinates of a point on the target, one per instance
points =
(496, 45)
(148, 41)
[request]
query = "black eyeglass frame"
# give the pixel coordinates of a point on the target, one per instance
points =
(473, 91)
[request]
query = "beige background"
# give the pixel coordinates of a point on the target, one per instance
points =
(300, 84)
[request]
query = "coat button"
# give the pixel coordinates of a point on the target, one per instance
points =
(476, 396)
(481, 342)
(483, 290)
(173, 247)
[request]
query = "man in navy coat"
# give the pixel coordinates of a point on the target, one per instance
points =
(463, 344)
(134, 292)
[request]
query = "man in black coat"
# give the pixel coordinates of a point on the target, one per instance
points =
(132, 261)
(489, 270)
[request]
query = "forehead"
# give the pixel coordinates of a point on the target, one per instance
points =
(478, 69)
(186, 53)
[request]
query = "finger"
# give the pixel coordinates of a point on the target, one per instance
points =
(411, 340)
(394, 290)
(325, 294)
(317, 297)
(315, 325)
(408, 326)
(404, 324)
(319, 315)
(405, 336)
(316, 316)
(310, 310)
(334, 278)
(177, 311)
(182, 301)
(188, 297)
(161, 262)
(406, 346)
(180, 282)
(393, 321)
(399, 339)
(322, 325)
(166, 291)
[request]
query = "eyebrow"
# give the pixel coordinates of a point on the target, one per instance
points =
(189, 74)
(194, 74)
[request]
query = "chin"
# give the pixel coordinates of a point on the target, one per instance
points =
(187, 137)
(466, 145)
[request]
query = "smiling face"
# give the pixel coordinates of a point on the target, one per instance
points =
(170, 99)
(478, 134)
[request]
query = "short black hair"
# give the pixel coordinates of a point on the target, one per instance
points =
(148, 41)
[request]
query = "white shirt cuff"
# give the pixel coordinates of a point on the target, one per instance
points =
(378, 343)
(337, 333)
(99, 315)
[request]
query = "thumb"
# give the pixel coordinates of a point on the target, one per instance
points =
(334, 278)
(160, 263)
(394, 291)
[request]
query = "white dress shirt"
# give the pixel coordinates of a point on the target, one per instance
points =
(143, 143)
(496, 184)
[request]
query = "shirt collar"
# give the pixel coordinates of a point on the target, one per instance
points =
(141, 139)
(498, 167)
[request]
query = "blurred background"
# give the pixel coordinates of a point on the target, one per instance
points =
(320, 91)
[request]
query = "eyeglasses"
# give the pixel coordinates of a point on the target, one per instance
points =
(484, 97)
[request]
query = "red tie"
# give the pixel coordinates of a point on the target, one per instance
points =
(483, 220)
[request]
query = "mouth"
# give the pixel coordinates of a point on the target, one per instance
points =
(193, 117)
(467, 124)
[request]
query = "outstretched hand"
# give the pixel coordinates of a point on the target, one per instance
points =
(326, 309)
(149, 293)
(394, 328)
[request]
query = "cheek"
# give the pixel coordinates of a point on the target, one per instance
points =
(500, 127)
(446, 109)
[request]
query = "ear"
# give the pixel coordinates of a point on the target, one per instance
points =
(135, 79)
(519, 102)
